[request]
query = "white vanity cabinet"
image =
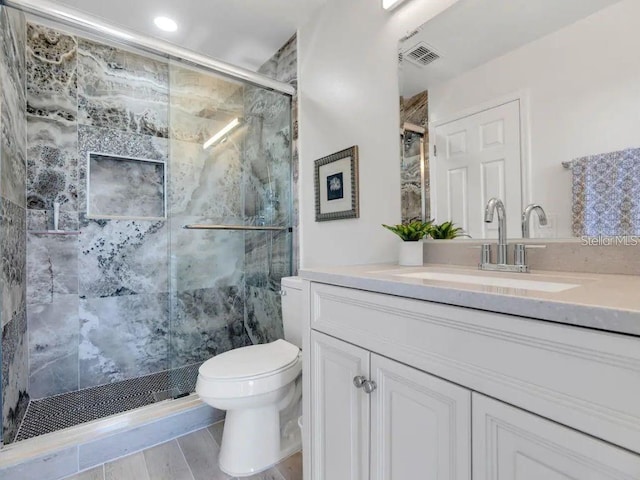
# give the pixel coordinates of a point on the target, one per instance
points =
(533, 400)
(340, 412)
(420, 425)
(412, 425)
(509, 443)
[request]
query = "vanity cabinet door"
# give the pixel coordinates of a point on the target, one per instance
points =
(339, 410)
(511, 443)
(420, 425)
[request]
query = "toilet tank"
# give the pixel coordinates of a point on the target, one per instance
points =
(292, 309)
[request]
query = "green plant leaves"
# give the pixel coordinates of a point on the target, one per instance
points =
(415, 231)
(445, 231)
(411, 232)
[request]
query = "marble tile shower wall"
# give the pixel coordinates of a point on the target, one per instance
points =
(15, 395)
(52, 175)
(206, 187)
(414, 110)
(283, 66)
(98, 308)
(271, 183)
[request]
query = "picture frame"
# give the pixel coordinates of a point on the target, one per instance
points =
(336, 185)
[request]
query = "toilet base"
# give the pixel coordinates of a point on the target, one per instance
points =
(274, 435)
(248, 445)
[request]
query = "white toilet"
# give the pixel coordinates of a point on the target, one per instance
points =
(260, 388)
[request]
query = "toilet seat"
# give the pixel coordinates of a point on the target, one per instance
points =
(253, 361)
(248, 371)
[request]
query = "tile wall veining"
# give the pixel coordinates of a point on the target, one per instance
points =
(54, 337)
(206, 187)
(122, 90)
(52, 110)
(86, 97)
(269, 193)
(122, 337)
(283, 66)
(14, 375)
(411, 179)
(52, 176)
(13, 278)
(12, 180)
(414, 110)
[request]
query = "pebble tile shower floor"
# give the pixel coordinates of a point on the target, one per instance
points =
(69, 409)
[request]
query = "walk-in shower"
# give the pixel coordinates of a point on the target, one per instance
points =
(172, 176)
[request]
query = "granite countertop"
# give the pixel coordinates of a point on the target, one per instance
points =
(604, 302)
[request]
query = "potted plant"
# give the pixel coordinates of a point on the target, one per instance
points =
(412, 233)
(446, 231)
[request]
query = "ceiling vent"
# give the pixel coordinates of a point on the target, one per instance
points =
(420, 54)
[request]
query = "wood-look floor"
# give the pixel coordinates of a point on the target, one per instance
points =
(191, 457)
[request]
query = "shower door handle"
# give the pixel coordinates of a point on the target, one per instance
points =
(250, 228)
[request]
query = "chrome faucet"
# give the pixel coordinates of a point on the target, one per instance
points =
(495, 204)
(526, 215)
(519, 265)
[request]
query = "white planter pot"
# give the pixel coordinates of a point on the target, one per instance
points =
(411, 254)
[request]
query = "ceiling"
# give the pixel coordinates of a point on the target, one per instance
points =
(245, 33)
(472, 32)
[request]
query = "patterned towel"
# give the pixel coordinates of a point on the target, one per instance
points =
(606, 194)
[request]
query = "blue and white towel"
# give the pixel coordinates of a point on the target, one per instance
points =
(606, 194)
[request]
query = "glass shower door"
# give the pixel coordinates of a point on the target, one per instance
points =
(229, 216)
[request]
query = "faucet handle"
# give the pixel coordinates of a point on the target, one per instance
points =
(520, 254)
(485, 253)
(520, 257)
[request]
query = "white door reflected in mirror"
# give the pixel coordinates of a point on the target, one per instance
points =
(477, 158)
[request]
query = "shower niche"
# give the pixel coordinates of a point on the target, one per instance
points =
(124, 187)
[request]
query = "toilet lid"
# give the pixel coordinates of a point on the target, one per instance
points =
(251, 361)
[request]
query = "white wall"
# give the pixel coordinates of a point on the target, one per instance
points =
(348, 93)
(583, 83)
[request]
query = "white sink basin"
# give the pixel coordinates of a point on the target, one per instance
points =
(491, 281)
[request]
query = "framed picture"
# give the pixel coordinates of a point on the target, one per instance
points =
(336, 182)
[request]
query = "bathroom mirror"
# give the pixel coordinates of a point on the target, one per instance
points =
(501, 99)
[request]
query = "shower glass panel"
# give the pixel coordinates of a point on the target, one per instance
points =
(124, 298)
(230, 196)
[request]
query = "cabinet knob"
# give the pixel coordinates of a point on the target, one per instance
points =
(369, 386)
(359, 381)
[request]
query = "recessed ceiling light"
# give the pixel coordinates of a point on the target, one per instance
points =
(166, 24)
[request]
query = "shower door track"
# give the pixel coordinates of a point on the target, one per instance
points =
(73, 18)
